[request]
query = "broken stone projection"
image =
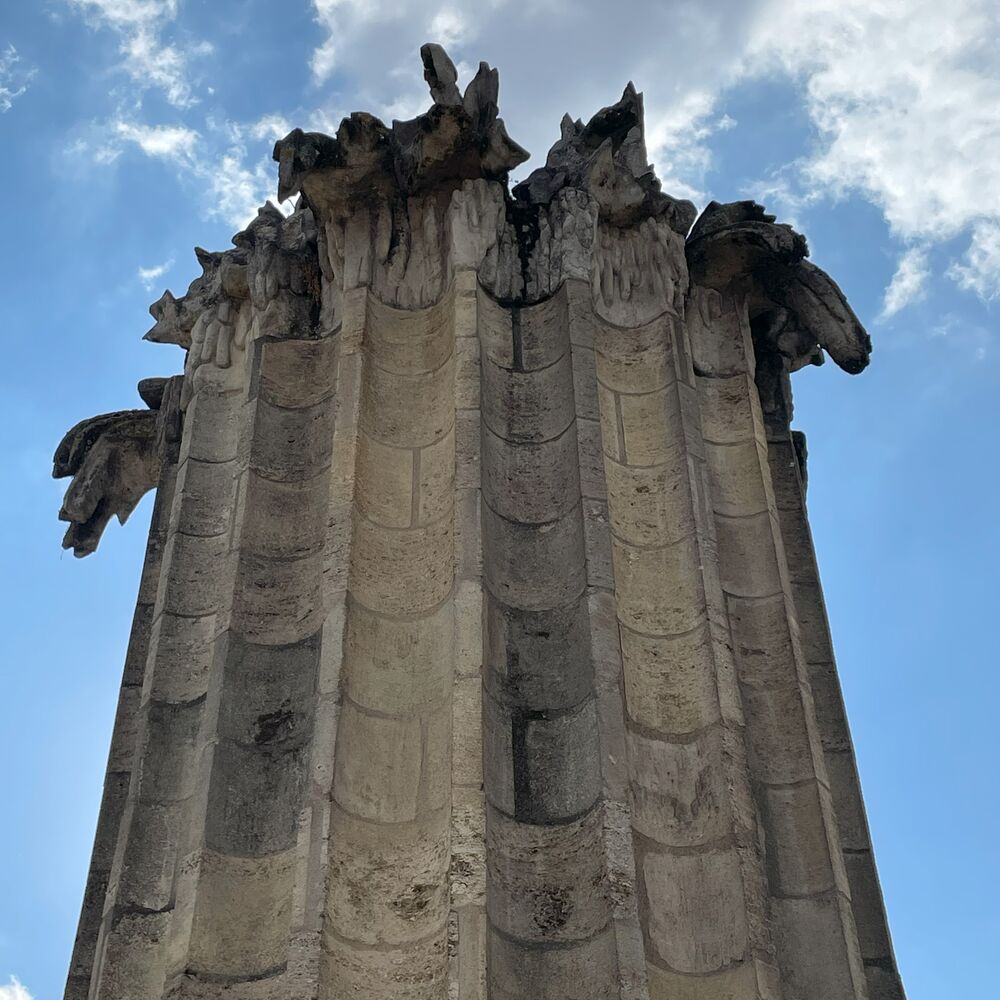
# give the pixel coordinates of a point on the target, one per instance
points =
(479, 649)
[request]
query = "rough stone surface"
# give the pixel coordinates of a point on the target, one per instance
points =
(480, 648)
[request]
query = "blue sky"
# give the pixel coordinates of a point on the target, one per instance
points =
(134, 129)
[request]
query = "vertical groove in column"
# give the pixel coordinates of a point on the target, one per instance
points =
(786, 459)
(605, 650)
(265, 703)
(809, 893)
(387, 904)
(192, 600)
(467, 920)
(700, 886)
(550, 933)
(121, 756)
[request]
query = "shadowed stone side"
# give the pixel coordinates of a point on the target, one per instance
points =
(480, 649)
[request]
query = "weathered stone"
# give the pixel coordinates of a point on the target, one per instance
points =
(480, 648)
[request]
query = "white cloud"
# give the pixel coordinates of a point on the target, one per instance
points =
(229, 162)
(908, 284)
(14, 78)
(149, 276)
(147, 58)
(165, 142)
(979, 269)
(15, 990)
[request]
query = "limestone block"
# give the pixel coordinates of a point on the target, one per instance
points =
(741, 982)
(410, 341)
(291, 445)
(241, 925)
(285, 519)
(846, 790)
(650, 505)
(780, 744)
(212, 426)
(546, 883)
(467, 448)
(146, 876)
(268, 692)
(278, 601)
(392, 769)
(134, 672)
(541, 333)
(670, 682)
(866, 900)
(585, 383)
(650, 427)
(534, 566)
(469, 631)
(528, 406)
(402, 572)
(468, 534)
(763, 641)
(399, 667)
(798, 548)
(408, 411)
(169, 751)
(191, 587)
(598, 544)
(412, 972)
(637, 360)
(387, 884)
(585, 971)
(254, 798)
(678, 790)
(123, 739)
(591, 459)
(531, 483)
(659, 590)
(384, 490)
(696, 919)
(467, 373)
(467, 733)
(748, 562)
(833, 970)
(799, 857)
(829, 704)
(538, 660)
(785, 475)
(718, 332)
(297, 373)
(130, 969)
(182, 650)
(541, 767)
(468, 846)
(811, 615)
(739, 474)
(434, 479)
(727, 413)
(208, 491)
(612, 436)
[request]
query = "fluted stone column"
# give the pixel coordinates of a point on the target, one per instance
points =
(486, 654)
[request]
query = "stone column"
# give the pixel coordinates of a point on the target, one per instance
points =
(786, 452)
(809, 893)
(550, 927)
(385, 927)
(699, 879)
(189, 616)
(121, 757)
